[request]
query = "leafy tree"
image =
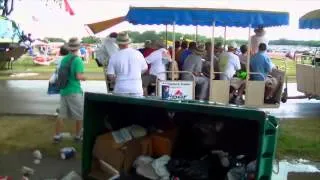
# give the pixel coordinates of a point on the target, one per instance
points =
(150, 35)
(135, 36)
(54, 39)
(90, 40)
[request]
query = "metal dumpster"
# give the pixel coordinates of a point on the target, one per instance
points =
(249, 131)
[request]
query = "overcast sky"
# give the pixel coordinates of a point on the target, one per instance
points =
(55, 22)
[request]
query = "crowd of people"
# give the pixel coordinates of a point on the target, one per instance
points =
(117, 58)
(132, 71)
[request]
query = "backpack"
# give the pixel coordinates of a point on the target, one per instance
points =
(63, 74)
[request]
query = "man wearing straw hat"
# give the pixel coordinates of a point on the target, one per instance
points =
(71, 103)
(193, 64)
(258, 38)
(125, 68)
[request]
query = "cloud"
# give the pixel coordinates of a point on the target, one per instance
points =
(56, 22)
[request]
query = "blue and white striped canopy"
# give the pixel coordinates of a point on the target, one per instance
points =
(205, 17)
(311, 20)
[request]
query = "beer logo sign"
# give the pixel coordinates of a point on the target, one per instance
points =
(176, 90)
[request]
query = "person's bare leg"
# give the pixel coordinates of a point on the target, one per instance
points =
(145, 91)
(78, 127)
(59, 126)
(63, 114)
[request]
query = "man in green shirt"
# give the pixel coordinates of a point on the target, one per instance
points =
(71, 103)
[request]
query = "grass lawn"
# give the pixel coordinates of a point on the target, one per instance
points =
(297, 138)
(93, 72)
(26, 65)
(32, 132)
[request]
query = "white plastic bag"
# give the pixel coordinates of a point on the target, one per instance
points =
(53, 78)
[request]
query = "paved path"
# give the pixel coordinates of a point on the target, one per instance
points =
(30, 97)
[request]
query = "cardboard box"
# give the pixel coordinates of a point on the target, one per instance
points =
(97, 172)
(121, 156)
(162, 143)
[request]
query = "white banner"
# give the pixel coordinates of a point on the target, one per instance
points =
(176, 90)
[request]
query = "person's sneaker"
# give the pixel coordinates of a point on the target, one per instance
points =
(57, 139)
(57, 112)
(77, 139)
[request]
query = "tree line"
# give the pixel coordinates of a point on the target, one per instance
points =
(138, 37)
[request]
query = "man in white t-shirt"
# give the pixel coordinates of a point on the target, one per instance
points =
(125, 68)
(229, 63)
(106, 49)
(258, 38)
(158, 60)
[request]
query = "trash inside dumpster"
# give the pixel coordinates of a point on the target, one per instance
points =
(141, 138)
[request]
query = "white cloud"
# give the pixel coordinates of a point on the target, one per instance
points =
(56, 22)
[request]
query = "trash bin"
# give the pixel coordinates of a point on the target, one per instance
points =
(246, 131)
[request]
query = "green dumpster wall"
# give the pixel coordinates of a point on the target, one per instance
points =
(123, 111)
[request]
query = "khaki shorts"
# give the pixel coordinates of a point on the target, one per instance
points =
(71, 107)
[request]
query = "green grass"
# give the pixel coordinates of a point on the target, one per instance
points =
(93, 72)
(25, 64)
(291, 66)
(299, 138)
(21, 133)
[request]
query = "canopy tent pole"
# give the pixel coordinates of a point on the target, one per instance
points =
(249, 54)
(166, 36)
(211, 60)
(196, 38)
(173, 48)
(225, 38)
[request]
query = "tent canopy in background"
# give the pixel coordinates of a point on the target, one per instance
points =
(196, 16)
(311, 20)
